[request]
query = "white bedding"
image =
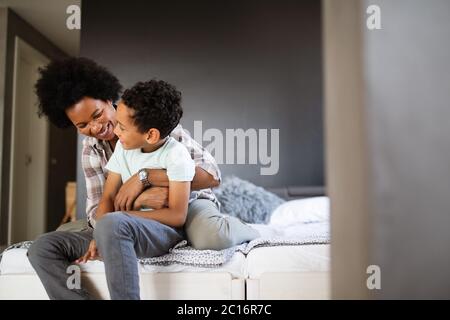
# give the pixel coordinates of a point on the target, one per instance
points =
(259, 260)
(15, 261)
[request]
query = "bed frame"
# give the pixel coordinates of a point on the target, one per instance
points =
(154, 286)
(289, 286)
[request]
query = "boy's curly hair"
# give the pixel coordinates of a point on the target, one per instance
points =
(156, 104)
(62, 83)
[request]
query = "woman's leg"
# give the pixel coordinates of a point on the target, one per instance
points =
(74, 226)
(51, 255)
(207, 228)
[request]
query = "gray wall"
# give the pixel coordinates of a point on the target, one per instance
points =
(239, 64)
(388, 147)
(408, 79)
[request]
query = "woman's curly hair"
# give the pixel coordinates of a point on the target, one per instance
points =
(156, 104)
(63, 83)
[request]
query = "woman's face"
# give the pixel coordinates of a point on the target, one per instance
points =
(93, 118)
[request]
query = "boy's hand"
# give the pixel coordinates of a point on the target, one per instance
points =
(91, 254)
(154, 197)
(128, 192)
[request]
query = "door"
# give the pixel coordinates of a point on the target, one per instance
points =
(29, 149)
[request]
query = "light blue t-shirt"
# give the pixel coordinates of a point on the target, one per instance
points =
(172, 156)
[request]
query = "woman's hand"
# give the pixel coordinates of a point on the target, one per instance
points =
(128, 193)
(91, 254)
(154, 197)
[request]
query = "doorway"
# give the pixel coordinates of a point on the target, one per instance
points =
(29, 149)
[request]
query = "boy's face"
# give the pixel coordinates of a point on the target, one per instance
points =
(126, 130)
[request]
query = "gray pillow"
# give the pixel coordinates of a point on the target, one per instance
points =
(246, 201)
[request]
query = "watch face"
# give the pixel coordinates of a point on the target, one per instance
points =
(142, 175)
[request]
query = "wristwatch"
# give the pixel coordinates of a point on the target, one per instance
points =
(143, 177)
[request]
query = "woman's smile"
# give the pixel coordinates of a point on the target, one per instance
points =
(106, 132)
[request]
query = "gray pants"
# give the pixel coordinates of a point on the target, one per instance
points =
(121, 239)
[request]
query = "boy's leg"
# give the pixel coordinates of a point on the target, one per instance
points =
(207, 228)
(51, 254)
(122, 238)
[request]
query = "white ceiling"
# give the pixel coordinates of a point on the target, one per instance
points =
(49, 18)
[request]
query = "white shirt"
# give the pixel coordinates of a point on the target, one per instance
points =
(172, 156)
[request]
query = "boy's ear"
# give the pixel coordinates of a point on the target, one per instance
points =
(152, 136)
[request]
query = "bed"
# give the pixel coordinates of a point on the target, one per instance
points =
(19, 281)
(264, 272)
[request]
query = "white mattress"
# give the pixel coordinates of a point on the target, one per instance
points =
(301, 258)
(304, 258)
(15, 261)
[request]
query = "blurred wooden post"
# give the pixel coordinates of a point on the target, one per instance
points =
(71, 196)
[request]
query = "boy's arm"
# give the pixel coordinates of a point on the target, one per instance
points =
(202, 179)
(154, 198)
(175, 214)
(133, 187)
(112, 186)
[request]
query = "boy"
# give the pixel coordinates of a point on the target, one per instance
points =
(146, 115)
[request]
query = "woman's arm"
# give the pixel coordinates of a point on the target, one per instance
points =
(202, 179)
(175, 214)
(133, 189)
(154, 198)
(95, 179)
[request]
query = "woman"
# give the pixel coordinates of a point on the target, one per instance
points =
(79, 92)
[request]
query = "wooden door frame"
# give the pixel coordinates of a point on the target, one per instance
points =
(15, 26)
(23, 49)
